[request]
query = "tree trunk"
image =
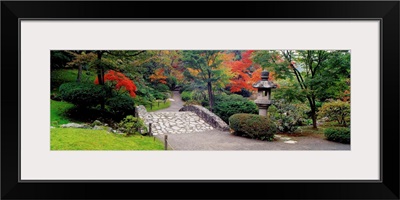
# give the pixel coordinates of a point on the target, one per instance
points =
(78, 79)
(210, 96)
(100, 75)
(314, 118)
(311, 100)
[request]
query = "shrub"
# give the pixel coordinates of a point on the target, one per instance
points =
(185, 87)
(130, 124)
(228, 105)
(159, 95)
(244, 93)
(161, 87)
(336, 110)
(82, 94)
(121, 105)
(192, 102)
(253, 126)
(231, 97)
(186, 95)
(288, 116)
(338, 134)
(171, 82)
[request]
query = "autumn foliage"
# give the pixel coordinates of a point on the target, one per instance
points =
(158, 76)
(120, 81)
(242, 74)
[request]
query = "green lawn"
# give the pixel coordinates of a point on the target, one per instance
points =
(57, 112)
(87, 139)
(156, 107)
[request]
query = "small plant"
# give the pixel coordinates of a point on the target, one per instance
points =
(287, 115)
(336, 110)
(186, 95)
(338, 134)
(131, 124)
(253, 126)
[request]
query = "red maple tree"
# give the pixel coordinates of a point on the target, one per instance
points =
(120, 81)
(240, 68)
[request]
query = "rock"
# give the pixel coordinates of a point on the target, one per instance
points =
(97, 123)
(52, 127)
(74, 125)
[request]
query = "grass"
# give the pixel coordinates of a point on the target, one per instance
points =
(156, 107)
(57, 112)
(88, 139)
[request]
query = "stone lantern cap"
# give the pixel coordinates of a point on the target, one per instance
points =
(264, 84)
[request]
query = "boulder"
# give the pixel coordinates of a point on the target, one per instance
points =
(97, 123)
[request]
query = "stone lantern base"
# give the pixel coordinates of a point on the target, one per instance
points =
(262, 109)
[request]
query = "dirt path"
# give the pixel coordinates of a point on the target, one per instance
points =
(176, 103)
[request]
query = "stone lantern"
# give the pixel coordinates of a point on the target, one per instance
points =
(264, 86)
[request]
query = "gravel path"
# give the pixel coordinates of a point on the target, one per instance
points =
(217, 140)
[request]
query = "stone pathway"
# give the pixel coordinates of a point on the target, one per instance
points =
(176, 123)
(171, 121)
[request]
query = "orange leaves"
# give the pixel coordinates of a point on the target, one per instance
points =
(256, 75)
(346, 96)
(121, 81)
(158, 76)
(242, 78)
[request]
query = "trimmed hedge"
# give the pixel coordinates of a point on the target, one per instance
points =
(121, 105)
(82, 94)
(253, 126)
(338, 134)
(228, 105)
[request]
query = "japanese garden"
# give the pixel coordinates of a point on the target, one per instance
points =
(200, 100)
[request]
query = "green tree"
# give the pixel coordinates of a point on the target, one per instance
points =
(320, 74)
(204, 68)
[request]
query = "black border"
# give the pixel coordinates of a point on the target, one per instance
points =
(387, 12)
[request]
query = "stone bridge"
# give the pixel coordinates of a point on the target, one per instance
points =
(180, 119)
